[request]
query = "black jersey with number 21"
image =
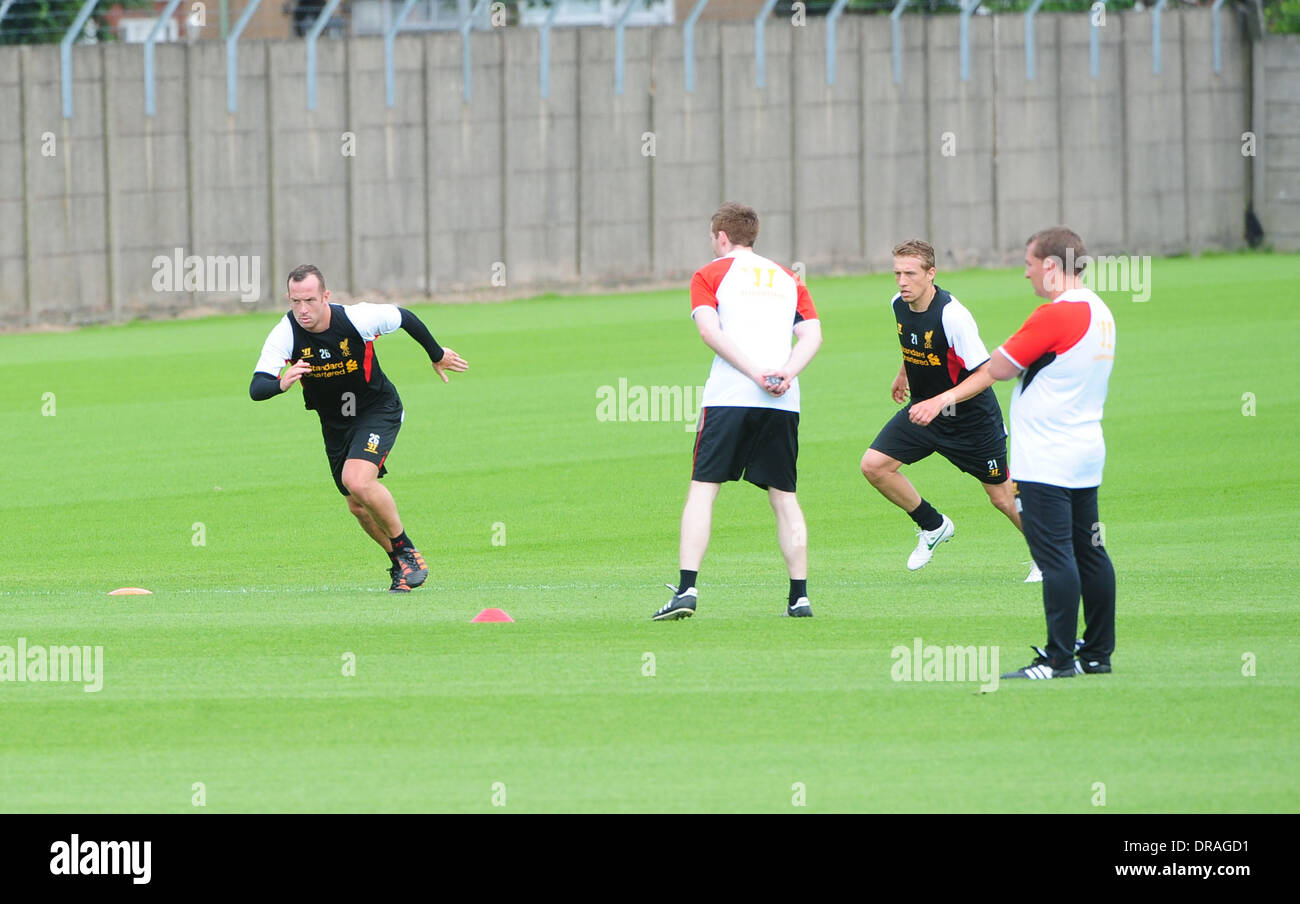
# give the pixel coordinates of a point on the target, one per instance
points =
(941, 347)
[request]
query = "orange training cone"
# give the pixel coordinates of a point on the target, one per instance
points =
(492, 615)
(129, 591)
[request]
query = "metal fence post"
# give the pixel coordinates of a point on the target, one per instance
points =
(896, 39)
(1094, 37)
(544, 37)
(154, 34)
(232, 57)
(1214, 21)
(65, 53)
(1030, 49)
(832, 22)
(760, 45)
(317, 27)
(688, 37)
(967, 8)
(390, 40)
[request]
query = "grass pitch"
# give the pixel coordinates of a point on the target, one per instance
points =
(149, 466)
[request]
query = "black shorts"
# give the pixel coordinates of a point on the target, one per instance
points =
(976, 445)
(368, 436)
(760, 444)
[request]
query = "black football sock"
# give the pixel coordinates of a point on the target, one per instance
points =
(687, 580)
(798, 589)
(926, 517)
(400, 542)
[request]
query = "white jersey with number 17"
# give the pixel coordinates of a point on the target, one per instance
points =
(758, 303)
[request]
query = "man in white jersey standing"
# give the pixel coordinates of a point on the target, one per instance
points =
(746, 307)
(1063, 355)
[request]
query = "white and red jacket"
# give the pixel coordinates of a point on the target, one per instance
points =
(1066, 350)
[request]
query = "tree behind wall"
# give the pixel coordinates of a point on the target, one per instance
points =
(46, 21)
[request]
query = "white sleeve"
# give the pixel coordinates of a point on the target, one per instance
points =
(373, 320)
(963, 335)
(277, 349)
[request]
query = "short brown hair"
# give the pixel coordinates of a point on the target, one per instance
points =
(1061, 243)
(302, 271)
(738, 221)
(918, 249)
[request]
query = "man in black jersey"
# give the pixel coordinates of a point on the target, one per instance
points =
(941, 347)
(330, 349)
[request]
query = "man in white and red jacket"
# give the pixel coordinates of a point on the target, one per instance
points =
(1063, 355)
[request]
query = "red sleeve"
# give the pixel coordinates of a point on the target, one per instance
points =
(704, 285)
(1051, 328)
(803, 308)
(803, 303)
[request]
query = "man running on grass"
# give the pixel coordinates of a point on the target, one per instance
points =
(330, 349)
(942, 350)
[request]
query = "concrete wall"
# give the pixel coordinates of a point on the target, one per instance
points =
(896, 141)
(1218, 175)
(691, 150)
(1277, 132)
(13, 190)
(513, 192)
(1092, 139)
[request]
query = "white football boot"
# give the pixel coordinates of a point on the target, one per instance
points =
(927, 540)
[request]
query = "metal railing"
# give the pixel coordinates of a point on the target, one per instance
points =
(232, 57)
(760, 43)
(149, 42)
(312, 35)
(390, 44)
(1030, 50)
(472, 15)
(688, 42)
(65, 53)
(832, 24)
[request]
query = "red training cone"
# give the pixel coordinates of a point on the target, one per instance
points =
(492, 615)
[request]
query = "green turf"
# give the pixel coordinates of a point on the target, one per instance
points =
(231, 673)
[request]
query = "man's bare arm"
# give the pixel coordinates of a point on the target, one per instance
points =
(809, 336)
(925, 411)
(710, 327)
(900, 388)
(1001, 367)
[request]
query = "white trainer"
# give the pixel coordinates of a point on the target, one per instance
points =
(1035, 574)
(927, 540)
